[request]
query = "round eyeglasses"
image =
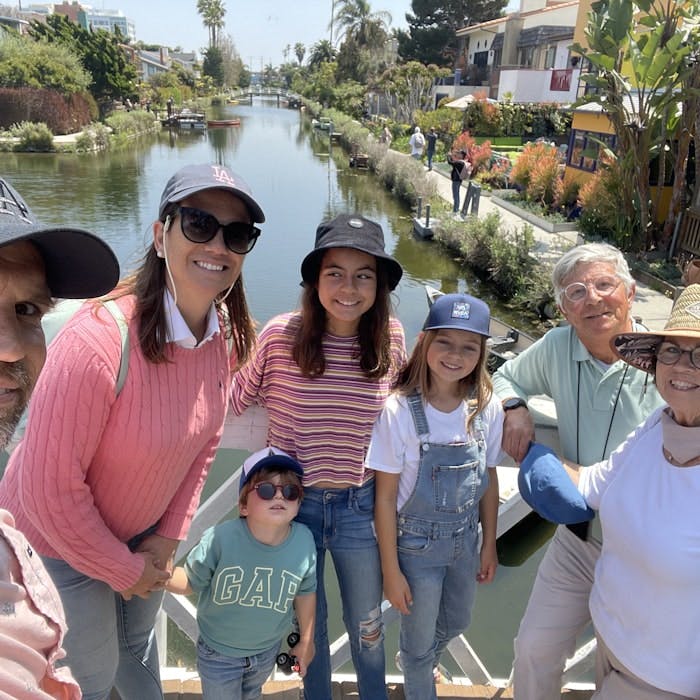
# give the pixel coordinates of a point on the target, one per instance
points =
(604, 286)
(200, 226)
(267, 491)
(669, 354)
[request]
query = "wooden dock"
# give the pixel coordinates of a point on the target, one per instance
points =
(347, 690)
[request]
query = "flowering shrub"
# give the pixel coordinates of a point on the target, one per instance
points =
(479, 155)
(536, 172)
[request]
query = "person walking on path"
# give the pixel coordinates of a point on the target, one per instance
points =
(417, 143)
(431, 140)
(253, 576)
(599, 400)
(323, 373)
(434, 450)
(38, 263)
(461, 169)
(108, 496)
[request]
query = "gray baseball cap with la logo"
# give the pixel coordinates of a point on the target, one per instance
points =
(195, 178)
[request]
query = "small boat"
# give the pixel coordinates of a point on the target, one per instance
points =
(505, 342)
(219, 123)
(324, 123)
(232, 101)
(186, 119)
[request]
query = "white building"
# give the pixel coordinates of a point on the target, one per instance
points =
(525, 54)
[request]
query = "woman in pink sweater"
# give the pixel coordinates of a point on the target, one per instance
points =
(104, 485)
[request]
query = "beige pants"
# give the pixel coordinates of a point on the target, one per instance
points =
(556, 613)
(615, 682)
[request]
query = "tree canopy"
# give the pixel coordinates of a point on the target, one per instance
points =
(213, 13)
(26, 63)
(113, 77)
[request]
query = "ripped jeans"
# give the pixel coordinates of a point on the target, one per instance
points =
(342, 523)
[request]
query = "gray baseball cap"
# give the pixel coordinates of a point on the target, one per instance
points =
(195, 178)
(78, 264)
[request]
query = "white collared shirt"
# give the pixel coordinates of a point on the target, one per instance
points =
(178, 331)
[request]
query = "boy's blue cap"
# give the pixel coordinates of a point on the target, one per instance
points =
(459, 311)
(271, 458)
(548, 490)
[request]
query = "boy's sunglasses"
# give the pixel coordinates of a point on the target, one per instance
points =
(267, 491)
(200, 227)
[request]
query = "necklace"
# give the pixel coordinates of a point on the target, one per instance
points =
(612, 416)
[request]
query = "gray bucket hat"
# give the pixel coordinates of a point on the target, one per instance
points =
(78, 264)
(195, 178)
(350, 231)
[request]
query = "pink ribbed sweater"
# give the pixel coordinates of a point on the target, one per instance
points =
(93, 471)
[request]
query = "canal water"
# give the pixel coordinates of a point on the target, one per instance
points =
(300, 180)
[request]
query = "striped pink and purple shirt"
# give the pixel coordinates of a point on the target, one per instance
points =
(324, 422)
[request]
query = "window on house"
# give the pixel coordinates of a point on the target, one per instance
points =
(550, 55)
(585, 148)
(497, 57)
(526, 57)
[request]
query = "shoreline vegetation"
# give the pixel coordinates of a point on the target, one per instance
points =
(493, 252)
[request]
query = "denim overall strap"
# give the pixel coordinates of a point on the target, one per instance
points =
(450, 482)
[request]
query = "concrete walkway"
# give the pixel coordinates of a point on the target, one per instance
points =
(651, 306)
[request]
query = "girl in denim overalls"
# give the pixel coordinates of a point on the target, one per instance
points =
(434, 449)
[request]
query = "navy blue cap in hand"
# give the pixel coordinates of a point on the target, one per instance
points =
(548, 490)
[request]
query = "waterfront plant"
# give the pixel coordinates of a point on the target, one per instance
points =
(32, 137)
(496, 254)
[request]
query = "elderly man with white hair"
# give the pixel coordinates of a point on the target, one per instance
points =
(599, 400)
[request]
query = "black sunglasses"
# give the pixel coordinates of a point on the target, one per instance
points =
(201, 227)
(267, 491)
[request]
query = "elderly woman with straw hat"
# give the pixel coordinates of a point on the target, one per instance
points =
(644, 600)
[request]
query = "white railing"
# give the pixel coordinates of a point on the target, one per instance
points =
(249, 432)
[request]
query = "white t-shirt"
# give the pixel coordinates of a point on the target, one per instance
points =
(395, 447)
(644, 601)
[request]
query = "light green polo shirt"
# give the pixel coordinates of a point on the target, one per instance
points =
(611, 402)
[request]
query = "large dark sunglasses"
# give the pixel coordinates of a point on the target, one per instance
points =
(201, 227)
(267, 491)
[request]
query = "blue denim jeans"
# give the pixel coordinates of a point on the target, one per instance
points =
(342, 522)
(456, 186)
(442, 575)
(110, 642)
(230, 677)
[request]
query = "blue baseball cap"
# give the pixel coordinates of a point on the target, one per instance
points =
(271, 458)
(459, 311)
(548, 490)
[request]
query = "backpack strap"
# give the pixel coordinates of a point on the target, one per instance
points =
(120, 320)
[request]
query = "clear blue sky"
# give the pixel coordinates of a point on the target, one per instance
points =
(261, 29)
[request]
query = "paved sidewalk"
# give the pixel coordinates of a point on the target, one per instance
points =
(651, 306)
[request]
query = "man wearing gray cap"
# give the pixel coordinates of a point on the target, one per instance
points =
(37, 263)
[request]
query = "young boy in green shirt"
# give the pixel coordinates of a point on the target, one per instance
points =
(253, 576)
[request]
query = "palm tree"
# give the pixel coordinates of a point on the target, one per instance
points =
(355, 19)
(212, 12)
(321, 52)
(299, 51)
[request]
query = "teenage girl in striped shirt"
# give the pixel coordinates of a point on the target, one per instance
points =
(323, 373)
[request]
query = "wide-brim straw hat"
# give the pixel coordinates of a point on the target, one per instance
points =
(639, 349)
